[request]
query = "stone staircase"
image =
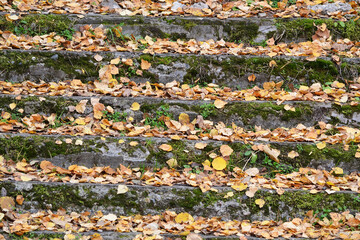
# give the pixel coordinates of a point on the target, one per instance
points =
(55, 151)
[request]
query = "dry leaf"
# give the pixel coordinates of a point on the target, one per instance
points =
(252, 172)
(251, 78)
(239, 187)
(12, 106)
(321, 145)
(7, 203)
(145, 65)
(98, 58)
(338, 171)
(19, 199)
(183, 218)
(293, 154)
(193, 236)
(200, 145)
(184, 118)
(219, 103)
(135, 106)
(226, 150)
(80, 108)
(122, 189)
(260, 202)
(166, 147)
(172, 162)
(219, 163)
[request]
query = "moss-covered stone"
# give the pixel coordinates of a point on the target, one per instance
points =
(39, 25)
(305, 28)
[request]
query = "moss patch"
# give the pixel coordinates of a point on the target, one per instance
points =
(305, 28)
(39, 25)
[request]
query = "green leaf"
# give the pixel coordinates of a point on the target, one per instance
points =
(247, 153)
(342, 24)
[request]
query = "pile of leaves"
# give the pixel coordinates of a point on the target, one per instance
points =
(200, 8)
(96, 39)
(336, 225)
(213, 174)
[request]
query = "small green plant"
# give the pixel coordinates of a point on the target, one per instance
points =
(114, 34)
(156, 120)
(207, 110)
(275, 167)
(116, 116)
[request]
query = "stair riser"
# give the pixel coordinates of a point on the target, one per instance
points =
(155, 200)
(232, 71)
(109, 152)
(268, 115)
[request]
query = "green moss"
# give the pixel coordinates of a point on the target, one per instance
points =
(241, 31)
(305, 28)
(346, 109)
(79, 67)
(39, 25)
(18, 147)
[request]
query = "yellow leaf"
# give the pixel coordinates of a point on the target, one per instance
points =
(293, 154)
(12, 106)
(175, 137)
(321, 145)
(184, 118)
(229, 194)
(166, 147)
(239, 187)
(133, 143)
(145, 65)
(289, 108)
(172, 162)
(260, 202)
(184, 217)
(135, 106)
(219, 103)
(250, 98)
(200, 145)
(115, 61)
(122, 189)
(207, 163)
(121, 141)
(78, 142)
(25, 178)
(272, 63)
(219, 163)
(226, 150)
(357, 154)
(338, 171)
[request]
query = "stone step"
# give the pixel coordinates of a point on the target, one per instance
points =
(225, 70)
(254, 30)
(145, 200)
(109, 235)
(143, 152)
(247, 114)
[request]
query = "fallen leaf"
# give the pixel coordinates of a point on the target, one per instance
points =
(166, 147)
(193, 236)
(133, 143)
(172, 162)
(19, 199)
(226, 150)
(260, 202)
(219, 103)
(251, 78)
(12, 106)
(293, 154)
(184, 118)
(145, 65)
(321, 145)
(219, 163)
(200, 145)
(7, 203)
(122, 189)
(80, 108)
(98, 58)
(183, 218)
(252, 172)
(109, 217)
(338, 171)
(135, 106)
(239, 187)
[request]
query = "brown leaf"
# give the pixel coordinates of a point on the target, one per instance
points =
(145, 65)
(7, 203)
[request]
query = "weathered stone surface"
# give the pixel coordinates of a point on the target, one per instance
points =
(112, 152)
(225, 70)
(267, 114)
(329, 8)
(155, 200)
